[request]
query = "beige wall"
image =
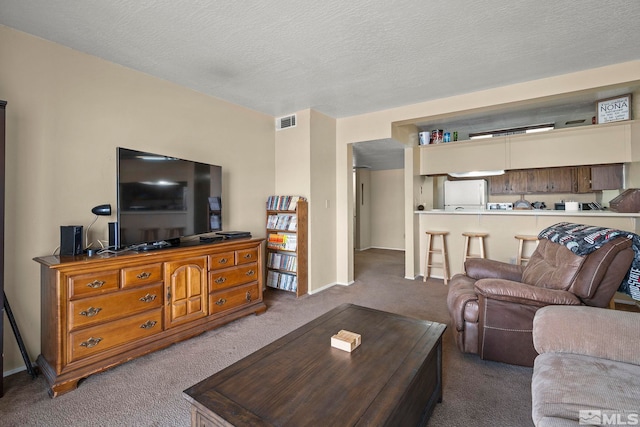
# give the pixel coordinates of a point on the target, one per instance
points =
(66, 114)
(322, 209)
(362, 208)
(387, 209)
(305, 166)
(385, 124)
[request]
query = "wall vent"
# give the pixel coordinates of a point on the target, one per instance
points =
(286, 122)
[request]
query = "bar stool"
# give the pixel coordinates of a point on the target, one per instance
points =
(468, 235)
(428, 257)
(522, 238)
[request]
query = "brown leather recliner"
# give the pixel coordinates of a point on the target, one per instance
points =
(492, 306)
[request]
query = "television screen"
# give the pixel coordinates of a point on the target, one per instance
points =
(162, 197)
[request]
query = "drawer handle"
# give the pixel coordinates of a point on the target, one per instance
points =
(91, 342)
(148, 324)
(247, 256)
(91, 311)
(221, 301)
(220, 280)
(250, 273)
(249, 296)
(222, 261)
(143, 275)
(148, 298)
(96, 284)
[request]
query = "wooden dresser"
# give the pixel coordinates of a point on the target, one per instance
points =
(101, 311)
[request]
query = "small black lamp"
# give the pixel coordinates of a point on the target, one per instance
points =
(100, 210)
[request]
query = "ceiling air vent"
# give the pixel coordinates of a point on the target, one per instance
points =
(286, 122)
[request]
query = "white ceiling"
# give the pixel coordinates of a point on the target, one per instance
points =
(339, 57)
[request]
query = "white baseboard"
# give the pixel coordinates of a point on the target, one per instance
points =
(330, 285)
(14, 371)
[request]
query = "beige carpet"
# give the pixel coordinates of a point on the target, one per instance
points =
(148, 391)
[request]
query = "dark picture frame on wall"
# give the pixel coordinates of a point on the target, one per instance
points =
(614, 109)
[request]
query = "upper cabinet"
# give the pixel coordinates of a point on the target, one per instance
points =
(587, 145)
(584, 145)
(464, 156)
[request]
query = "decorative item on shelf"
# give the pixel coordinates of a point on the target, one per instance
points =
(420, 207)
(424, 138)
(614, 109)
(436, 136)
(521, 204)
(446, 137)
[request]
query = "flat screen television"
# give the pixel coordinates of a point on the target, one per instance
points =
(163, 198)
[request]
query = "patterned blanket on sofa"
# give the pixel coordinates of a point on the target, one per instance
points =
(583, 239)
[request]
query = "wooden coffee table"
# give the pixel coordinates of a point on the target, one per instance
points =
(393, 378)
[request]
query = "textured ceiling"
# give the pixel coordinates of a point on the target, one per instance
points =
(339, 57)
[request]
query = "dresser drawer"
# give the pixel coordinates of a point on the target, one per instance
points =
(93, 283)
(222, 279)
(140, 276)
(222, 260)
(226, 300)
(89, 341)
(98, 309)
(245, 256)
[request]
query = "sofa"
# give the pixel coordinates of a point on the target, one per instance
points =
(492, 306)
(588, 368)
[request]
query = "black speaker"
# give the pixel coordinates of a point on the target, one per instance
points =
(114, 240)
(70, 239)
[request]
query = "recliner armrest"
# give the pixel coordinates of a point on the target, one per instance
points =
(521, 293)
(483, 268)
(590, 331)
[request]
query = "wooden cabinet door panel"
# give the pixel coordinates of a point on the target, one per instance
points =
(537, 180)
(186, 284)
(561, 180)
(606, 177)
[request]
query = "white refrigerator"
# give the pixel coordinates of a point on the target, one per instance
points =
(465, 195)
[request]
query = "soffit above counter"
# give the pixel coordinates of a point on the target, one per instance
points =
(617, 142)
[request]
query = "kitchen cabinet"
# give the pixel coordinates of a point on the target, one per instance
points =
(599, 177)
(560, 180)
(586, 145)
(607, 177)
(611, 143)
(511, 182)
(463, 156)
(583, 179)
(538, 180)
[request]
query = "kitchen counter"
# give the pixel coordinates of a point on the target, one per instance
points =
(530, 212)
(503, 225)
